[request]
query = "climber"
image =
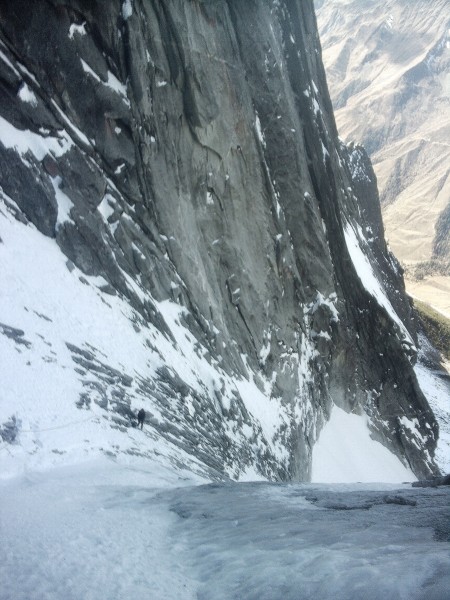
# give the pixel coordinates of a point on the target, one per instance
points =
(141, 418)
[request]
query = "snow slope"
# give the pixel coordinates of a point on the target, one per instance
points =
(42, 382)
(356, 456)
(41, 389)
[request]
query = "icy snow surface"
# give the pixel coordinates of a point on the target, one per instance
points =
(41, 387)
(127, 9)
(104, 531)
(345, 452)
(24, 141)
(368, 279)
(80, 29)
(27, 95)
(112, 82)
(437, 392)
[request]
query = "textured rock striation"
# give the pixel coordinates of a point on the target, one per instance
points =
(185, 153)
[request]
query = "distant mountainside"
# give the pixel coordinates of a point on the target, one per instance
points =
(182, 230)
(388, 69)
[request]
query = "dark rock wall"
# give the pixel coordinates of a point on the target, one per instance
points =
(197, 144)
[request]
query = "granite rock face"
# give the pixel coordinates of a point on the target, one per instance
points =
(186, 151)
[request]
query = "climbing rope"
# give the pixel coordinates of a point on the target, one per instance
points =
(6, 445)
(58, 426)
